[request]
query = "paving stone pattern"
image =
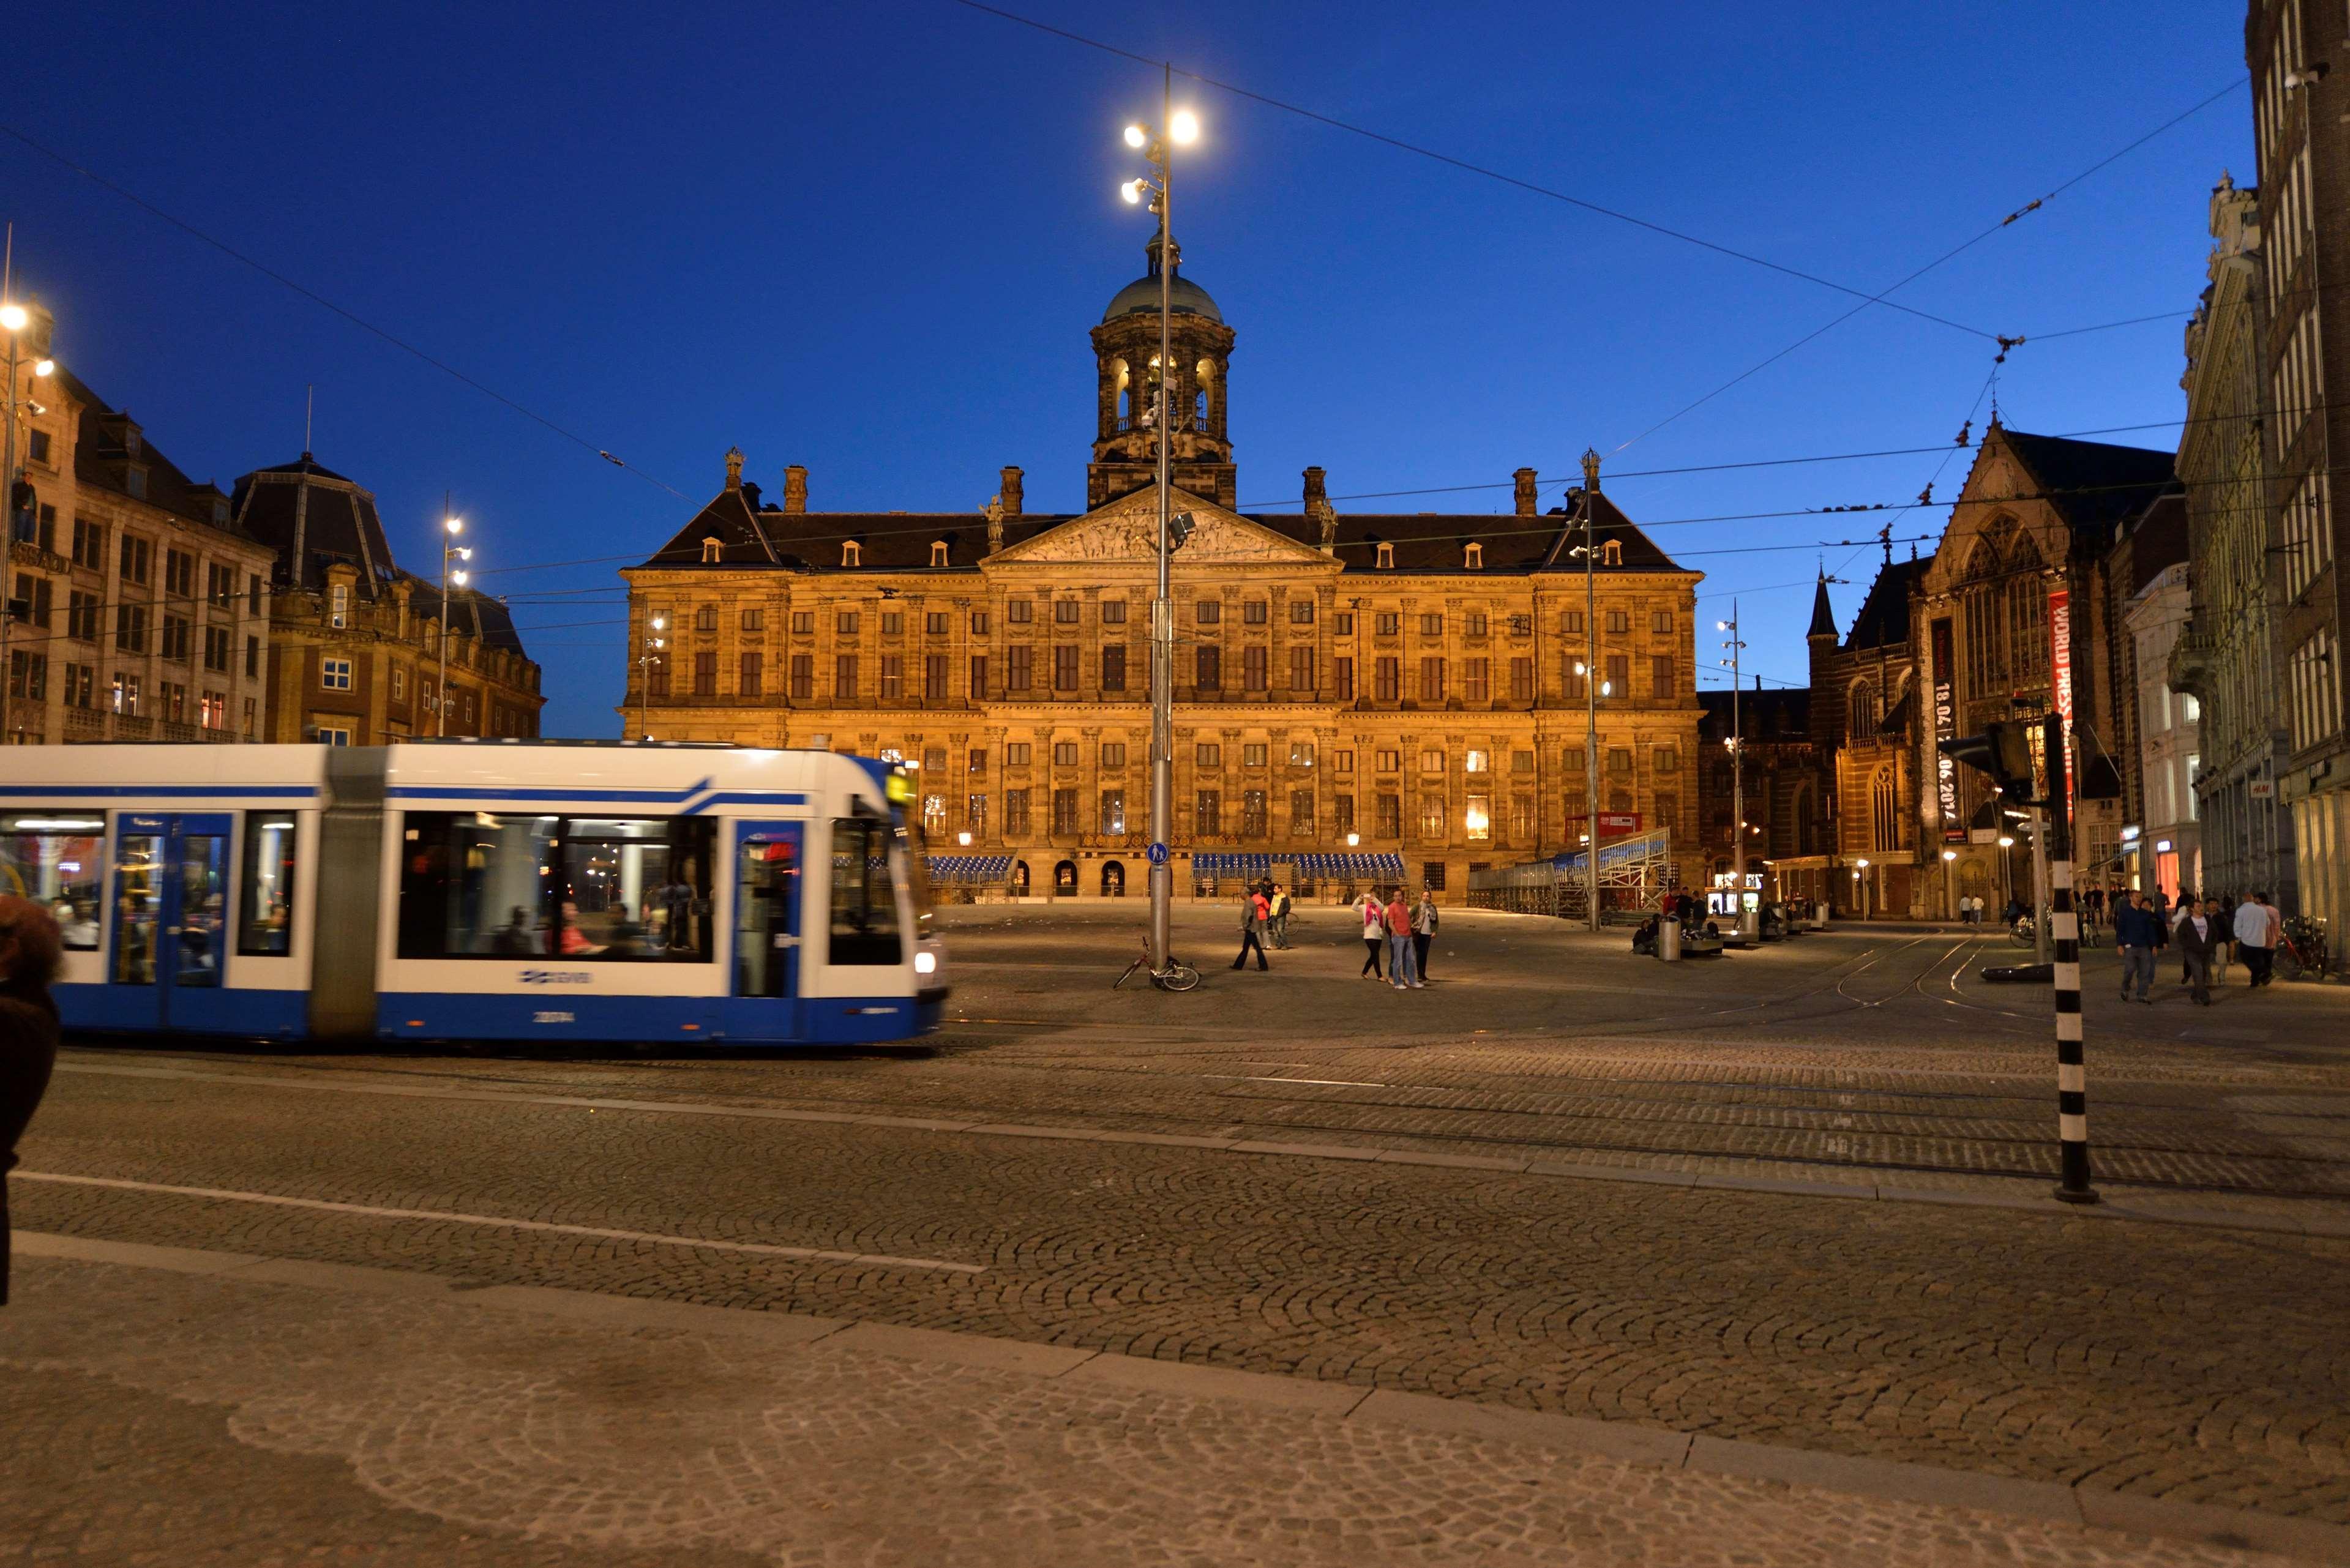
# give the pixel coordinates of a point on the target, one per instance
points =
(225, 1421)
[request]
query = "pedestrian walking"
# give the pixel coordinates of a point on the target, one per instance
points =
(2256, 933)
(1423, 932)
(1254, 908)
(2223, 940)
(2199, 933)
(1375, 930)
(30, 952)
(1403, 972)
(1281, 918)
(2138, 935)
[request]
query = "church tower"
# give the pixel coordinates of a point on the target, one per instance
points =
(1126, 359)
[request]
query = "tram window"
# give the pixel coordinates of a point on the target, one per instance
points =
(483, 884)
(57, 860)
(266, 917)
(864, 894)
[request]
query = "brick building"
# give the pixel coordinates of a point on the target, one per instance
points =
(137, 609)
(1864, 718)
(1788, 791)
(2300, 64)
(1406, 685)
(356, 644)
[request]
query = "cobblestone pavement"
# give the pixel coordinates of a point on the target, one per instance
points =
(225, 1421)
(2197, 1365)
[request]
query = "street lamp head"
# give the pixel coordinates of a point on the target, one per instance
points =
(1580, 668)
(1184, 128)
(1132, 191)
(1722, 626)
(660, 623)
(465, 554)
(13, 317)
(1949, 855)
(454, 525)
(458, 579)
(1135, 136)
(1862, 864)
(1353, 839)
(2005, 842)
(44, 369)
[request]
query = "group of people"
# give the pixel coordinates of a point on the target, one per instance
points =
(1394, 931)
(2206, 932)
(1264, 918)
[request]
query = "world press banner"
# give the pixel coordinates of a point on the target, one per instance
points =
(2060, 673)
(1946, 727)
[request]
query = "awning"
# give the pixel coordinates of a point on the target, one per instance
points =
(971, 869)
(1317, 867)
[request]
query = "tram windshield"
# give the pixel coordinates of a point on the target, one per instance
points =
(916, 850)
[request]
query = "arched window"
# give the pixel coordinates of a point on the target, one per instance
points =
(1884, 812)
(1862, 711)
(1200, 409)
(1807, 834)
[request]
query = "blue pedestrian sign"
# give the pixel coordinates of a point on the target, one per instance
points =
(1159, 854)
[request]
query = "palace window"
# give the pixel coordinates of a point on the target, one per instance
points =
(1342, 679)
(1522, 679)
(1015, 813)
(1387, 558)
(1343, 624)
(1252, 675)
(705, 674)
(1472, 556)
(1301, 612)
(937, 551)
(1113, 753)
(1431, 680)
(851, 553)
(1065, 612)
(1253, 612)
(1252, 754)
(1018, 612)
(710, 548)
(803, 677)
(935, 623)
(1477, 819)
(1208, 755)
(1661, 676)
(1668, 759)
(1433, 827)
(1015, 754)
(1389, 762)
(1388, 819)
(1431, 625)
(1476, 762)
(1660, 620)
(1113, 612)
(978, 623)
(1300, 812)
(1113, 666)
(803, 623)
(1619, 675)
(754, 620)
(1387, 623)
(1019, 666)
(1253, 822)
(1301, 753)
(1065, 754)
(893, 678)
(751, 681)
(934, 678)
(844, 677)
(1522, 819)
(978, 676)
(1208, 612)
(706, 619)
(1065, 668)
(1209, 669)
(1618, 621)
(1473, 686)
(1208, 813)
(1611, 554)
(1113, 811)
(1619, 759)
(1064, 812)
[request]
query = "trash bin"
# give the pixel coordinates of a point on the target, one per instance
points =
(1820, 916)
(1749, 921)
(1669, 939)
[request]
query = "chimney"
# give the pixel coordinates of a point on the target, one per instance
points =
(1318, 511)
(1525, 478)
(733, 468)
(796, 488)
(1010, 491)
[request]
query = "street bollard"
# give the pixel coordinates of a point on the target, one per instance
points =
(1669, 939)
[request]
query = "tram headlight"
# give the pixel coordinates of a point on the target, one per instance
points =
(926, 964)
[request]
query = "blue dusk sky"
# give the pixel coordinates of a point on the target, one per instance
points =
(871, 238)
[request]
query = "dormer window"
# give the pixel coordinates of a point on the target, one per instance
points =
(710, 549)
(850, 553)
(1387, 558)
(340, 615)
(1611, 554)
(1473, 557)
(937, 551)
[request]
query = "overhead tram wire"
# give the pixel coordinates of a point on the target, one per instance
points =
(1953, 253)
(321, 300)
(1482, 170)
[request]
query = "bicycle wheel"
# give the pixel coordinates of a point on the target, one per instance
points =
(2020, 934)
(2288, 963)
(1176, 977)
(1129, 973)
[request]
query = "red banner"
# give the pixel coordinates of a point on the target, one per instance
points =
(2060, 674)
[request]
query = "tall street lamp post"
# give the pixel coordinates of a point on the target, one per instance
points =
(1737, 772)
(1157, 148)
(450, 551)
(1591, 680)
(650, 656)
(16, 320)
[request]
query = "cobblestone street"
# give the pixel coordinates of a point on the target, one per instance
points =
(1794, 1202)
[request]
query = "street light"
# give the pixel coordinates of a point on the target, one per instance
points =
(1947, 856)
(450, 551)
(1867, 888)
(1183, 129)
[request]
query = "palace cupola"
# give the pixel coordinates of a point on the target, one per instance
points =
(1126, 358)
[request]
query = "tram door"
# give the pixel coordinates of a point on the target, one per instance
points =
(170, 898)
(767, 861)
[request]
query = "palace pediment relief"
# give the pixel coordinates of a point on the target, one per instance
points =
(1127, 531)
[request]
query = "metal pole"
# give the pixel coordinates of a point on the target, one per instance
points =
(441, 697)
(8, 546)
(1162, 610)
(2072, 1070)
(1591, 680)
(2039, 864)
(1738, 775)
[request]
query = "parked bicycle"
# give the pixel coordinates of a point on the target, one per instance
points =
(2025, 933)
(1177, 976)
(2302, 952)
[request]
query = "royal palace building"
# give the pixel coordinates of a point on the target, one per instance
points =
(1406, 687)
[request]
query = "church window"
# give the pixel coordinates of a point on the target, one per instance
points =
(850, 553)
(1113, 612)
(1473, 557)
(937, 551)
(1863, 710)
(1884, 820)
(1387, 558)
(1200, 409)
(710, 548)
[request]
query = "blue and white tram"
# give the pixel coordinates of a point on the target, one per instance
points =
(489, 890)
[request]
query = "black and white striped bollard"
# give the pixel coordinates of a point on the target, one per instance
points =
(2065, 928)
